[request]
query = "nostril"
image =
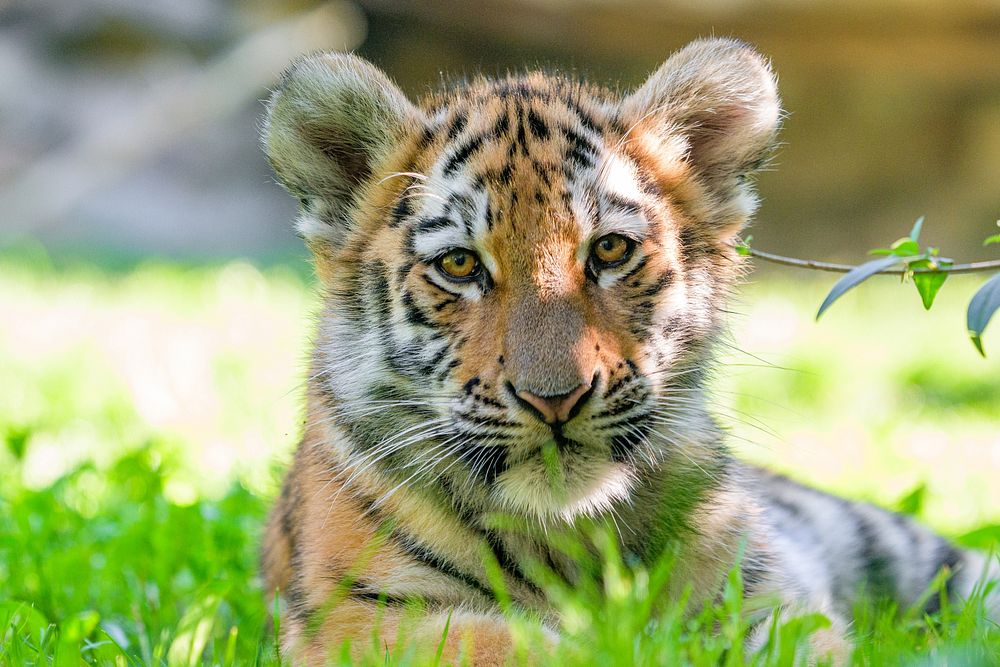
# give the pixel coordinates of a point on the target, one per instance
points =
(557, 408)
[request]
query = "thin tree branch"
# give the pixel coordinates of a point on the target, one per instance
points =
(972, 267)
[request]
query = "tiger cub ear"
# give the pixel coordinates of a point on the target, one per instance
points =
(330, 124)
(712, 107)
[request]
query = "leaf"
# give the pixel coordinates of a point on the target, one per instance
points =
(913, 502)
(928, 283)
(905, 247)
(444, 638)
(984, 538)
(917, 226)
(981, 309)
(743, 247)
(856, 276)
(990, 240)
(17, 442)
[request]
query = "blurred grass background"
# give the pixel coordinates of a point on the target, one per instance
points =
(155, 306)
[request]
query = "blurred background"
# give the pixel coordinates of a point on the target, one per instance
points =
(153, 294)
(130, 128)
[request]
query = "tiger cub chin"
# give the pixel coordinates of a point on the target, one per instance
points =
(522, 280)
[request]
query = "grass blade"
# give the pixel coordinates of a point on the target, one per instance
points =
(193, 634)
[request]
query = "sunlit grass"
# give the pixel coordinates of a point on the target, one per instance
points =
(145, 415)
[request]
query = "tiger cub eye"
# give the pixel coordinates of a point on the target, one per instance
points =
(611, 250)
(460, 264)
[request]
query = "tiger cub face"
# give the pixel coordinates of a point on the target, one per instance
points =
(521, 276)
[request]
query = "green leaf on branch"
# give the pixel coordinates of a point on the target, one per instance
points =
(928, 283)
(912, 503)
(855, 277)
(981, 309)
(990, 240)
(904, 247)
(743, 247)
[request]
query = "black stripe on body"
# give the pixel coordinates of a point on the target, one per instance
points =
(507, 563)
(402, 210)
(376, 288)
(755, 570)
(430, 559)
(876, 563)
(949, 557)
(369, 594)
(427, 279)
(585, 118)
(434, 224)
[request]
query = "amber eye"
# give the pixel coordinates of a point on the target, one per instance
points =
(459, 264)
(611, 250)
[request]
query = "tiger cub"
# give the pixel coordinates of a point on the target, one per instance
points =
(522, 280)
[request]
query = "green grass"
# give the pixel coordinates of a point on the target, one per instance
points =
(145, 416)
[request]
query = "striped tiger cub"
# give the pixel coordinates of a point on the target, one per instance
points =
(522, 280)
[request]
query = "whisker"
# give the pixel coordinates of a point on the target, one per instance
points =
(400, 174)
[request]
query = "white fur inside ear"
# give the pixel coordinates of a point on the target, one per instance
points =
(313, 230)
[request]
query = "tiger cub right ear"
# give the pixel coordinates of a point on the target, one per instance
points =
(711, 111)
(333, 119)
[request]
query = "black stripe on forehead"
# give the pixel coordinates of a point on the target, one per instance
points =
(538, 126)
(621, 203)
(463, 153)
(521, 141)
(434, 224)
(586, 119)
(464, 206)
(458, 124)
(581, 151)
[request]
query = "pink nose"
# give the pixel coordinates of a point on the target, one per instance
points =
(559, 407)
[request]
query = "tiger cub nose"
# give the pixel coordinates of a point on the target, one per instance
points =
(557, 408)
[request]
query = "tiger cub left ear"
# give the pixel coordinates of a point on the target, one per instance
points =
(714, 106)
(331, 124)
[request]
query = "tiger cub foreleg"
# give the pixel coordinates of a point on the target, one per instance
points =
(353, 578)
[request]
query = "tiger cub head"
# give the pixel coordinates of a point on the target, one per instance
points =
(521, 277)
